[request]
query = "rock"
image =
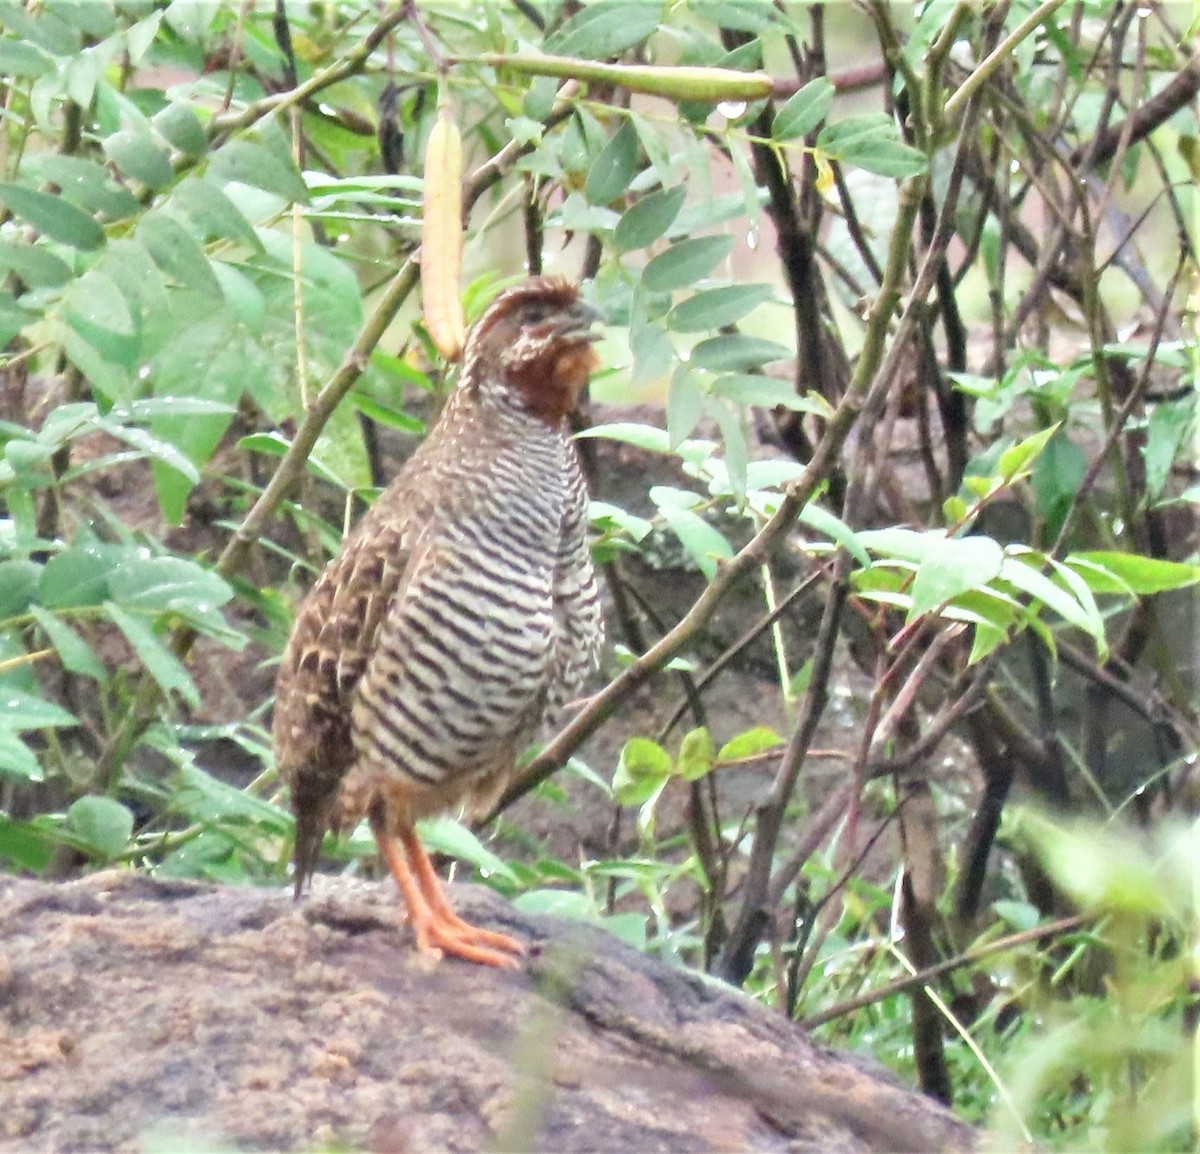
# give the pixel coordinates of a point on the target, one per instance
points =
(149, 1015)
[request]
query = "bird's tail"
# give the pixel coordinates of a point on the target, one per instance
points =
(312, 820)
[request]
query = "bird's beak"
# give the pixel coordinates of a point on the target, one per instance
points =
(578, 321)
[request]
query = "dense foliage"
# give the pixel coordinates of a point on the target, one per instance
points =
(911, 289)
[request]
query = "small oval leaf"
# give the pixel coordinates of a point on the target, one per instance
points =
(685, 262)
(647, 220)
(804, 110)
(611, 172)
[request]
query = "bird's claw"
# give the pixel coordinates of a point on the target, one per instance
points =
(462, 940)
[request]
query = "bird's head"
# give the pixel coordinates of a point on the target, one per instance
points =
(533, 345)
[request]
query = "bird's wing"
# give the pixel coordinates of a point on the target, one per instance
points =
(332, 639)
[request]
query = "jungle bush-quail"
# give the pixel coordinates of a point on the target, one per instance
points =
(461, 614)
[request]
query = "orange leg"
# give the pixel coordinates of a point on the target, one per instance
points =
(435, 896)
(436, 925)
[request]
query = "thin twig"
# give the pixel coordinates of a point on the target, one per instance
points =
(736, 649)
(220, 127)
(957, 103)
(924, 977)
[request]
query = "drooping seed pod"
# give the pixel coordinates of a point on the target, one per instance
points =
(442, 235)
(681, 82)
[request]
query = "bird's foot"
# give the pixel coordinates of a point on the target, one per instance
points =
(462, 940)
(437, 926)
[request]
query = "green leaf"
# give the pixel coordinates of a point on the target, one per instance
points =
(34, 265)
(649, 218)
(249, 162)
(653, 354)
(20, 60)
(74, 653)
(212, 212)
(1057, 474)
(736, 352)
(579, 216)
(713, 308)
(140, 36)
(87, 185)
(1024, 576)
(137, 154)
(953, 566)
(1076, 585)
(801, 679)
(54, 216)
(736, 446)
(22, 843)
(1103, 868)
(609, 177)
(18, 585)
(869, 125)
(93, 20)
(13, 317)
(144, 408)
(605, 517)
(21, 711)
(741, 15)
(242, 296)
(155, 448)
(388, 415)
(803, 111)
(606, 28)
(179, 125)
(203, 798)
(1165, 434)
(97, 310)
(78, 576)
(705, 543)
(1018, 916)
(903, 544)
(647, 437)
(824, 522)
(1015, 459)
(696, 754)
(685, 262)
(166, 584)
(630, 927)
(273, 444)
(1110, 572)
(17, 760)
(872, 142)
(445, 835)
(706, 212)
(558, 903)
(884, 157)
(176, 252)
(102, 824)
(986, 639)
(750, 743)
(160, 662)
(773, 473)
(82, 74)
(643, 767)
(685, 403)
(768, 393)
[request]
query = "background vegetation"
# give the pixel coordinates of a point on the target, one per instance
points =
(914, 294)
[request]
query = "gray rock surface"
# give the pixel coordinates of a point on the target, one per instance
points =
(162, 1016)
